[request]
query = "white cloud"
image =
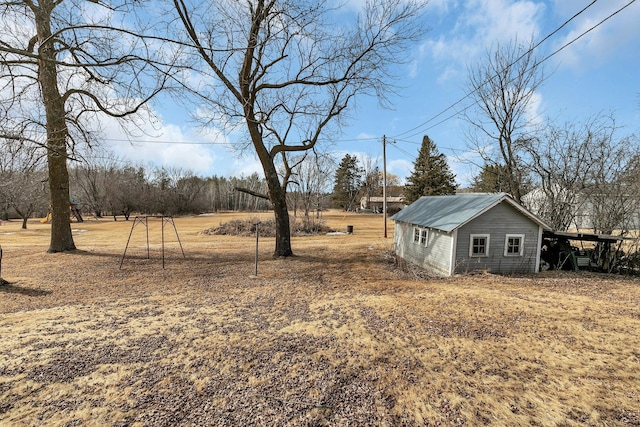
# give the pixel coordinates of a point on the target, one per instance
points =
(450, 73)
(93, 12)
(502, 20)
(413, 68)
(400, 167)
(442, 6)
(535, 110)
(246, 166)
(167, 145)
(618, 34)
(366, 136)
(479, 25)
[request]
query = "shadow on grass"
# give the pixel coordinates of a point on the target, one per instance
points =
(9, 288)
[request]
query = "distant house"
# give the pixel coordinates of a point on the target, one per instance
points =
(590, 208)
(461, 233)
(375, 203)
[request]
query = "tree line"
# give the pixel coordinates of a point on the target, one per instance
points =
(104, 185)
(115, 188)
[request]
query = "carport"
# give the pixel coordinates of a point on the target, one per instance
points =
(559, 253)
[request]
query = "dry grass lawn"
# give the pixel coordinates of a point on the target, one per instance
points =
(333, 336)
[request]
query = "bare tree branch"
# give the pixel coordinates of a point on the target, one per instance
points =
(253, 193)
(287, 74)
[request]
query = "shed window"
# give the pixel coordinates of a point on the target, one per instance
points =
(479, 245)
(420, 235)
(424, 236)
(513, 244)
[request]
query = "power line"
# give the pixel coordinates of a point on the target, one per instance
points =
(467, 95)
(406, 153)
(453, 105)
(157, 141)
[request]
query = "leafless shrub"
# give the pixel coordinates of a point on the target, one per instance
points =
(247, 228)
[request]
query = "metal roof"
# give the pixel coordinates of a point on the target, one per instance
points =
(448, 213)
(587, 237)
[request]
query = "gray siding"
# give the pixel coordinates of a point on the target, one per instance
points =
(435, 257)
(499, 221)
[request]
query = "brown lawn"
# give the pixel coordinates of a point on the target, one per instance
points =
(334, 336)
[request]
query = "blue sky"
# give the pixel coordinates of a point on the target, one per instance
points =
(599, 73)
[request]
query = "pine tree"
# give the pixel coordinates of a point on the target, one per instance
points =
(491, 179)
(348, 182)
(431, 174)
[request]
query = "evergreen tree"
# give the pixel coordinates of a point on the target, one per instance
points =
(491, 179)
(431, 174)
(347, 184)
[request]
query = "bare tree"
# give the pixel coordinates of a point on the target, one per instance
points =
(312, 179)
(611, 188)
(221, 193)
(373, 178)
(189, 194)
(287, 72)
(92, 179)
(501, 124)
(585, 176)
(63, 64)
(22, 180)
(128, 191)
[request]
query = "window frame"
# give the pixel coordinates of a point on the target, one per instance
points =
(421, 236)
(487, 240)
(520, 245)
(416, 234)
(424, 237)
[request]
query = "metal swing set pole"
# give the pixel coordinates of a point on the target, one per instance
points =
(144, 221)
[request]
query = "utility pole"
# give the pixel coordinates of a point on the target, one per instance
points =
(384, 183)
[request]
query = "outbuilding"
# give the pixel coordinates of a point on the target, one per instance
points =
(468, 232)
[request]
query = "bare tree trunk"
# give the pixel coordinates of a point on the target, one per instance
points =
(24, 216)
(283, 234)
(278, 197)
(61, 237)
(57, 132)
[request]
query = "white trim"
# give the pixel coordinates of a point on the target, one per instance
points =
(487, 238)
(416, 233)
(454, 245)
(539, 250)
(520, 245)
(420, 236)
(425, 232)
